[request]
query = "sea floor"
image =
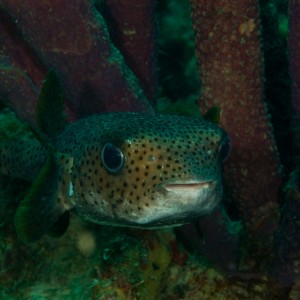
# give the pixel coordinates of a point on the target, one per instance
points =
(103, 262)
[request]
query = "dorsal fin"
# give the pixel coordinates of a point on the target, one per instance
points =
(51, 118)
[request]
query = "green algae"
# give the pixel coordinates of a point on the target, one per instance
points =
(12, 127)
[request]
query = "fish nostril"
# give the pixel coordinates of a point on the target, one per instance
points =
(151, 158)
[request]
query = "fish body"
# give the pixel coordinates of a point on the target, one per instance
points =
(170, 168)
(130, 169)
(123, 169)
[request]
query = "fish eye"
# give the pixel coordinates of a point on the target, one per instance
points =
(225, 148)
(112, 158)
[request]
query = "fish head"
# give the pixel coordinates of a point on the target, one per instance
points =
(150, 170)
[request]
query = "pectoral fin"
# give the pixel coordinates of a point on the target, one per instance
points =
(40, 210)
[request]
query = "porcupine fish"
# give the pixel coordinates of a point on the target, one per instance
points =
(124, 169)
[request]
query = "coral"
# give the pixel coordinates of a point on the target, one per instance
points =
(231, 71)
(90, 66)
(197, 281)
(10, 78)
(225, 236)
(136, 42)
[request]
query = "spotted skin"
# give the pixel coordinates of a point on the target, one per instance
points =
(171, 172)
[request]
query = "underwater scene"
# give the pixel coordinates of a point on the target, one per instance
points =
(149, 150)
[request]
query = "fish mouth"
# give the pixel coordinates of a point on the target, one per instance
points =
(188, 187)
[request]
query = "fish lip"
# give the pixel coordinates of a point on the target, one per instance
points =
(188, 186)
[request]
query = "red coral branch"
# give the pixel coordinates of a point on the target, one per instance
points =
(133, 31)
(73, 38)
(16, 85)
(229, 55)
